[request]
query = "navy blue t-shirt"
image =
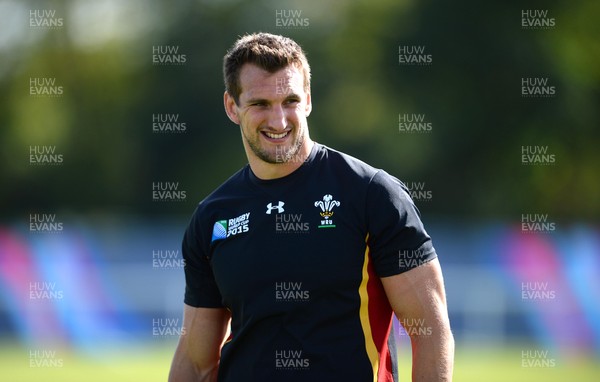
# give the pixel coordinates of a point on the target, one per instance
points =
(298, 261)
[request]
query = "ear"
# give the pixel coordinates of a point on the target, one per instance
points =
(308, 107)
(230, 108)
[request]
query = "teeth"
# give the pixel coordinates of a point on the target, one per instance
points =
(276, 136)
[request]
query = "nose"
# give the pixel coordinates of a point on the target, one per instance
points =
(277, 118)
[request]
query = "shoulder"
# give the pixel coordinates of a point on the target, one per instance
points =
(234, 186)
(227, 194)
(354, 168)
(222, 200)
(346, 164)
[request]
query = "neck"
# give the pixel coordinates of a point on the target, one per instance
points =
(266, 171)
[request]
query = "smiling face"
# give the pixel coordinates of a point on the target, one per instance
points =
(272, 112)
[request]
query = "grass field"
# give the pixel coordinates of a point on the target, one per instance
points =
(150, 363)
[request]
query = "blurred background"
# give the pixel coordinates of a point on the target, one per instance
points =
(112, 130)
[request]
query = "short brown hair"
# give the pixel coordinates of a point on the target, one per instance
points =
(267, 51)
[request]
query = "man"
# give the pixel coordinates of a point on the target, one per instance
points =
(307, 251)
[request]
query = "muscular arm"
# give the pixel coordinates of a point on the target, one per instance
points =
(198, 351)
(419, 301)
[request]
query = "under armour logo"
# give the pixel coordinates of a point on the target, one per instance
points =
(278, 207)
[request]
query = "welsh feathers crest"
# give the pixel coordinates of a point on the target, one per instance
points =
(327, 205)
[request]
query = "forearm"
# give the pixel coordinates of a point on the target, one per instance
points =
(433, 355)
(198, 352)
(419, 301)
(183, 370)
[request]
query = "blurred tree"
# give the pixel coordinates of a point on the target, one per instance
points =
(471, 94)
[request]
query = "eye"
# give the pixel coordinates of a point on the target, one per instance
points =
(292, 101)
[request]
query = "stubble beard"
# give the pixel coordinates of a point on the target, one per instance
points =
(282, 155)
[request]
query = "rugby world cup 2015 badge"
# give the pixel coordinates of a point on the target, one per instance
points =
(219, 230)
(230, 227)
(326, 205)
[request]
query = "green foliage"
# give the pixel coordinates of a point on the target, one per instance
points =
(471, 159)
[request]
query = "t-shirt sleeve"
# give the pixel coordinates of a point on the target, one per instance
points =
(201, 289)
(397, 240)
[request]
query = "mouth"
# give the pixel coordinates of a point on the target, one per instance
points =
(275, 137)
